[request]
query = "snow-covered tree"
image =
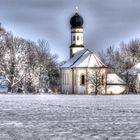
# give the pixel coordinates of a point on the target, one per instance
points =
(121, 59)
(26, 65)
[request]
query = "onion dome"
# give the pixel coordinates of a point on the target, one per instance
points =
(76, 21)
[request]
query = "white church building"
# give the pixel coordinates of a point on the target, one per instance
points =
(84, 72)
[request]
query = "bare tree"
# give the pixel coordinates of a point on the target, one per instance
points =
(122, 59)
(27, 66)
(96, 81)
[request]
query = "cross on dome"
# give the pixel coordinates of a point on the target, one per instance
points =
(77, 9)
(76, 20)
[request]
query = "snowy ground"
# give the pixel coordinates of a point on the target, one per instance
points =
(60, 117)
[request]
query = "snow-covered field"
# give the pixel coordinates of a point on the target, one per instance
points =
(67, 117)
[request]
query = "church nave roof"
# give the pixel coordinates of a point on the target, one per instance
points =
(84, 59)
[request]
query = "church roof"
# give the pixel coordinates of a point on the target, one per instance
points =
(114, 79)
(76, 21)
(84, 59)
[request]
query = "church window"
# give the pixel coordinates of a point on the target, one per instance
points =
(77, 37)
(73, 38)
(82, 79)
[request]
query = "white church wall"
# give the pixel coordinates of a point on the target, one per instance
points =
(138, 83)
(66, 81)
(78, 88)
(116, 89)
(86, 89)
(81, 88)
(77, 36)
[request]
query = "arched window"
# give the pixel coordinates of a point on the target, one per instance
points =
(74, 38)
(82, 79)
(77, 37)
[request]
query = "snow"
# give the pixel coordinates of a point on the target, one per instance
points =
(89, 59)
(137, 66)
(3, 85)
(83, 61)
(3, 89)
(69, 117)
(74, 58)
(84, 58)
(135, 69)
(113, 78)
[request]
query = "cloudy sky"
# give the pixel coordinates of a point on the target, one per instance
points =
(106, 22)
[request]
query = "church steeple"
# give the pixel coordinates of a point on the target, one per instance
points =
(76, 23)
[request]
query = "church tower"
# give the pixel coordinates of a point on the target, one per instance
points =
(76, 23)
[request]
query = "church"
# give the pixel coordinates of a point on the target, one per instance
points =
(84, 73)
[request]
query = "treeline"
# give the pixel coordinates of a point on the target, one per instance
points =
(119, 60)
(26, 65)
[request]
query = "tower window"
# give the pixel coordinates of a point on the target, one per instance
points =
(73, 38)
(82, 79)
(77, 37)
